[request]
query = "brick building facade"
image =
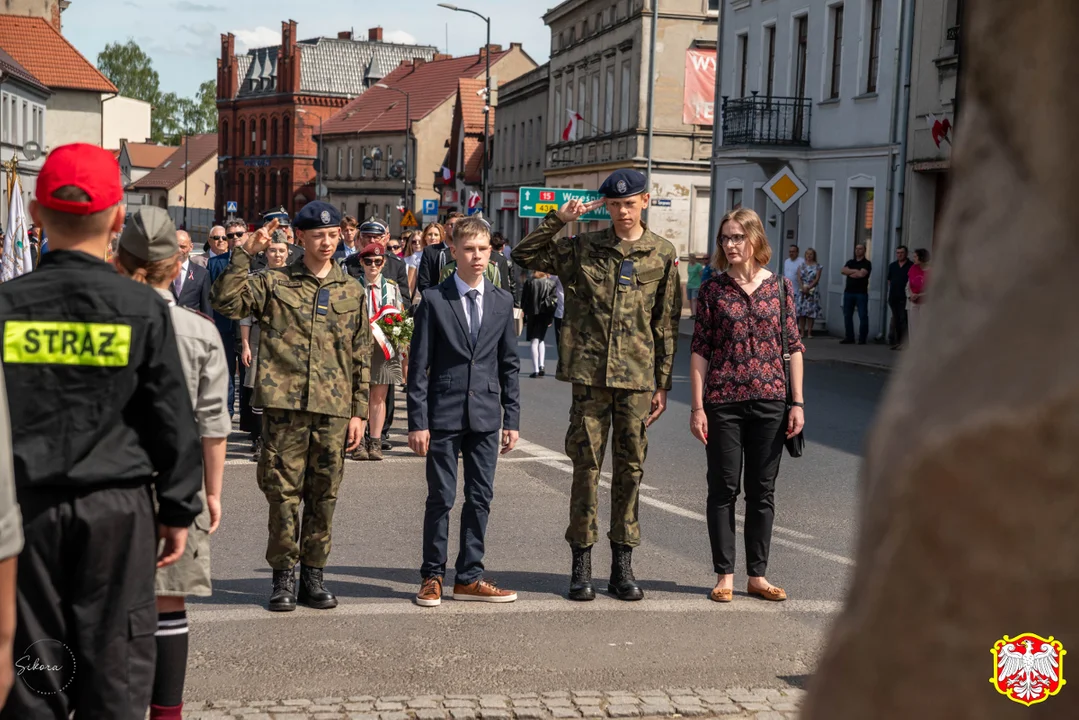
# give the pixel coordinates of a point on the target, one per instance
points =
(271, 102)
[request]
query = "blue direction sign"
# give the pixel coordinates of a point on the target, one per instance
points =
(534, 202)
(231, 206)
(430, 207)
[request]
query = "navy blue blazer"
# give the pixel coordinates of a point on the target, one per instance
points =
(195, 293)
(453, 385)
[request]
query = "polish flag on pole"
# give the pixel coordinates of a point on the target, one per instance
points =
(447, 174)
(571, 127)
(473, 200)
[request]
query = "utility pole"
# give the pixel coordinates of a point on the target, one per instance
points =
(652, 91)
(187, 169)
(486, 103)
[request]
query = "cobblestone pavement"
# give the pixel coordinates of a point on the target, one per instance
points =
(758, 703)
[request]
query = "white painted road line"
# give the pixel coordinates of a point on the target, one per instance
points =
(692, 515)
(209, 613)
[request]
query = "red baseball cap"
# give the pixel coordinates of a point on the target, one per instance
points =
(92, 169)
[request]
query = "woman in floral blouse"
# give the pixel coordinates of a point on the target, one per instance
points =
(739, 390)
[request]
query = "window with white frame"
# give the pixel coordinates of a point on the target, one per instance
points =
(874, 46)
(743, 63)
(593, 115)
(801, 54)
(835, 50)
(624, 102)
(608, 100)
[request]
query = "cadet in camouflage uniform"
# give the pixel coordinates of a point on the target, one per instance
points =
(312, 383)
(619, 335)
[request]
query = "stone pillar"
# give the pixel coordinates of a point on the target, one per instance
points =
(970, 524)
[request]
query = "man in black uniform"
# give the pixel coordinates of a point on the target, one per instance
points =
(98, 406)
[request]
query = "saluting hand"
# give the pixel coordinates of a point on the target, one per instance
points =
(259, 240)
(575, 209)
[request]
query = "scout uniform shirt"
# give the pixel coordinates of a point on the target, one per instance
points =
(315, 345)
(622, 304)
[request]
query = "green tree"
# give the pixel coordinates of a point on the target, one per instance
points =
(130, 70)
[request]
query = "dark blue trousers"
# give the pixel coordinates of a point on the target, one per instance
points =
(861, 302)
(480, 453)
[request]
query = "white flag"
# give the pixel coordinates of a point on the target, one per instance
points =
(17, 259)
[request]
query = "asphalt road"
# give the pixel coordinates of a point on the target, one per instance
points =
(377, 642)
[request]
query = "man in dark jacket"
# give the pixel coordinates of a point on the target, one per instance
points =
(435, 257)
(506, 269)
(236, 232)
(99, 414)
(376, 231)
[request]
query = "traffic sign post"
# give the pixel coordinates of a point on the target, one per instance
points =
(231, 207)
(785, 188)
(535, 202)
(430, 207)
(409, 220)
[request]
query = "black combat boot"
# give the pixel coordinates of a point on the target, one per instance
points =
(580, 583)
(313, 593)
(622, 584)
(283, 597)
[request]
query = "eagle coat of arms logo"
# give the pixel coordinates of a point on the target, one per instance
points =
(1028, 668)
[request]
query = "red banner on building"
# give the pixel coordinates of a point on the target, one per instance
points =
(699, 100)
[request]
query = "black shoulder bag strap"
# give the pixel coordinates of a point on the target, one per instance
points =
(796, 444)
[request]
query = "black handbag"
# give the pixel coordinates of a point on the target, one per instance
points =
(795, 445)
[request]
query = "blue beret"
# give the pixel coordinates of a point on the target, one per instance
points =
(279, 214)
(624, 183)
(316, 215)
(374, 226)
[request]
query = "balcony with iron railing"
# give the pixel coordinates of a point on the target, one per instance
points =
(766, 121)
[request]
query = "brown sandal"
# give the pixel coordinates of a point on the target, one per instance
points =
(721, 595)
(774, 594)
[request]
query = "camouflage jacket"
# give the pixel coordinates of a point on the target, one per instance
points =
(311, 358)
(616, 333)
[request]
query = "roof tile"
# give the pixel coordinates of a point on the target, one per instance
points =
(171, 172)
(48, 56)
(428, 86)
(11, 66)
(148, 155)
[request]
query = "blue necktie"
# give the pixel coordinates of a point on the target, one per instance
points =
(474, 315)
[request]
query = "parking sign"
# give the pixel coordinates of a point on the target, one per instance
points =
(430, 207)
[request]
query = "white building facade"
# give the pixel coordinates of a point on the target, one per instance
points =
(815, 85)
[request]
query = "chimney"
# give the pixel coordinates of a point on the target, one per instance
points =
(418, 62)
(441, 56)
(489, 48)
(375, 34)
(515, 46)
(344, 35)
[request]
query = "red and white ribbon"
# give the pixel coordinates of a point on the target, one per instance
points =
(380, 337)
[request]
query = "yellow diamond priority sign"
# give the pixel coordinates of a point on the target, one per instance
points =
(785, 188)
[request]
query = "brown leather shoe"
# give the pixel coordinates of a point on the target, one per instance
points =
(483, 591)
(430, 594)
(721, 595)
(374, 449)
(773, 593)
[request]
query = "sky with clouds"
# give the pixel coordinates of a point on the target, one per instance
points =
(183, 36)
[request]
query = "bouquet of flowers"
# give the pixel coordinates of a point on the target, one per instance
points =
(392, 331)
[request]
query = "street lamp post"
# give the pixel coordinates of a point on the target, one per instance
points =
(486, 101)
(408, 139)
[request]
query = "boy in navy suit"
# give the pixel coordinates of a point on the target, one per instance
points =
(462, 389)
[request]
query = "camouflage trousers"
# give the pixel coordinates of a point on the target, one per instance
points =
(303, 458)
(593, 412)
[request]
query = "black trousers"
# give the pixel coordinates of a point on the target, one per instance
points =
(898, 306)
(86, 607)
(743, 435)
(480, 454)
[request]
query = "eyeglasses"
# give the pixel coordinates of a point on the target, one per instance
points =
(372, 262)
(395, 248)
(732, 239)
(233, 236)
(217, 237)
